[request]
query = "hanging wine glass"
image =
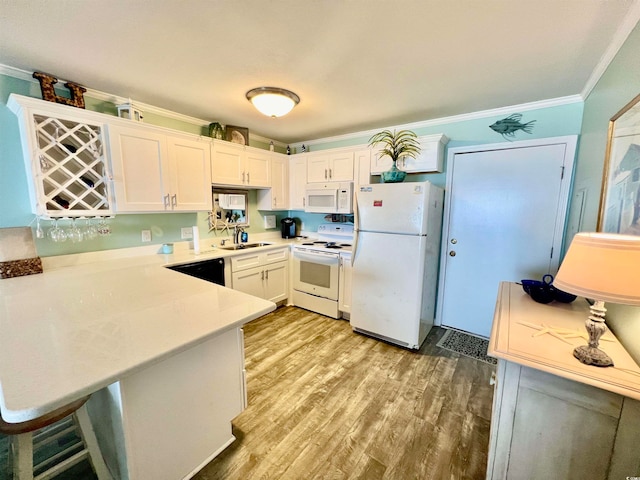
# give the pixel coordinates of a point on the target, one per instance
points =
(103, 227)
(74, 233)
(90, 230)
(39, 231)
(56, 234)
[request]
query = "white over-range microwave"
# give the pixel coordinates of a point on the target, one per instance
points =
(331, 197)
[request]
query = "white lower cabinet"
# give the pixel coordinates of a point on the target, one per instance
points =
(262, 274)
(344, 283)
(544, 426)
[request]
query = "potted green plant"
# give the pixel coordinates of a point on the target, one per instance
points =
(396, 145)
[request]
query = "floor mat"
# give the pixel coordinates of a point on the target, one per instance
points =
(467, 345)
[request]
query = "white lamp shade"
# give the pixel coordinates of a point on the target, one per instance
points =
(272, 101)
(602, 266)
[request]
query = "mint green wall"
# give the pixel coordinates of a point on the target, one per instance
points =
(15, 209)
(550, 122)
(618, 86)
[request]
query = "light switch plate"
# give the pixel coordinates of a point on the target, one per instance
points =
(186, 233)
(269, 221)
(146, 235)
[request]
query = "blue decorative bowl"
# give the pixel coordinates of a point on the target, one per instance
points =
(563, 297)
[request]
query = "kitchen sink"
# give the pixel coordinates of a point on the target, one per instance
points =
(242, 246)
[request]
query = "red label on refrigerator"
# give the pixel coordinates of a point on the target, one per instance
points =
(377, 203)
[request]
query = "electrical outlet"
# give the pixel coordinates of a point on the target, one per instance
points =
(269, 221)
(146, 235)
(186, 233)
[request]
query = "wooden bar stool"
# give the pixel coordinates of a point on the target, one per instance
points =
(21, 443)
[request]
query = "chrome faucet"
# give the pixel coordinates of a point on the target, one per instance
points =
(236, 234)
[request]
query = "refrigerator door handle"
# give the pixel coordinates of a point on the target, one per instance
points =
(356, 229)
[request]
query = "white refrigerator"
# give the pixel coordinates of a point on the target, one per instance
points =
(395, 261)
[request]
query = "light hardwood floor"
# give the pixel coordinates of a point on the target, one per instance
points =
(326, 403)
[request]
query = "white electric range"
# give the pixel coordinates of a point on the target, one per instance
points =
(316, 268)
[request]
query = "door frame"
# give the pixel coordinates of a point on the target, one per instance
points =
(570, 143)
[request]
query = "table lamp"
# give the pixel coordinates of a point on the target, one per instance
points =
(604, 267)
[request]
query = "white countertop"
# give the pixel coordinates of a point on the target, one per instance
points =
(512, 340)
(73, 330)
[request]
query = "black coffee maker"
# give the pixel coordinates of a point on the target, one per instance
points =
(288, 227)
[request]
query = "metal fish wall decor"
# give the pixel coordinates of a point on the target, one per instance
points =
(507, 127)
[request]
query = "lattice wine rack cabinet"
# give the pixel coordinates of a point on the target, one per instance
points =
(64, 150)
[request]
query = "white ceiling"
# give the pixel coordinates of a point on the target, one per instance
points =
(356, 64)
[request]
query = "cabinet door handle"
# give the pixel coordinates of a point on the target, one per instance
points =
(275, 202)
(262, 277)
(166, 201)
(248, 180)
(174, 200)
(242, 177)
(304, 201)
(266, 276)
(330, 174)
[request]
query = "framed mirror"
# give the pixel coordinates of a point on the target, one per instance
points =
(620, 195)
(230, 208)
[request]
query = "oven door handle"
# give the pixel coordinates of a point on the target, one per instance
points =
(328, 259)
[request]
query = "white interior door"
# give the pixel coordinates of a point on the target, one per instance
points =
(504, 219)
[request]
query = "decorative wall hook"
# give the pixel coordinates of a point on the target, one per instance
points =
(48, 93)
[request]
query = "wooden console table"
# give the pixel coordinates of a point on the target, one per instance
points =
(552, 416)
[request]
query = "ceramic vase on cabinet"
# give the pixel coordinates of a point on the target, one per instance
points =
(393, 175)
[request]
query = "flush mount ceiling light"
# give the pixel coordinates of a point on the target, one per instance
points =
(273, 101)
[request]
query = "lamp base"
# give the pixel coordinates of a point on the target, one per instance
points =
(592, 356)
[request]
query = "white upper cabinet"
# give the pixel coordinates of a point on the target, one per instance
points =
(140, 169)
(276, 197)
(237, 165)
(156, 172)
(227, 163)
(297, 181)
(190, 173)
(431, 158)
(257, 167)
(65, 158)
(362, 167)
(330, 166)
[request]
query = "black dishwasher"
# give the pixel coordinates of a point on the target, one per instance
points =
(209, 270)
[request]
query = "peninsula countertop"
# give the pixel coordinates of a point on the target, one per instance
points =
(71, 331)
(518, 336)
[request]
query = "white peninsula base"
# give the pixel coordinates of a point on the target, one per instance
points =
(170, 419)
(553, 417)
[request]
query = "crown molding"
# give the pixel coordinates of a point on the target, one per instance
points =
(631, 20)
(116, 100)
(523, 107)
